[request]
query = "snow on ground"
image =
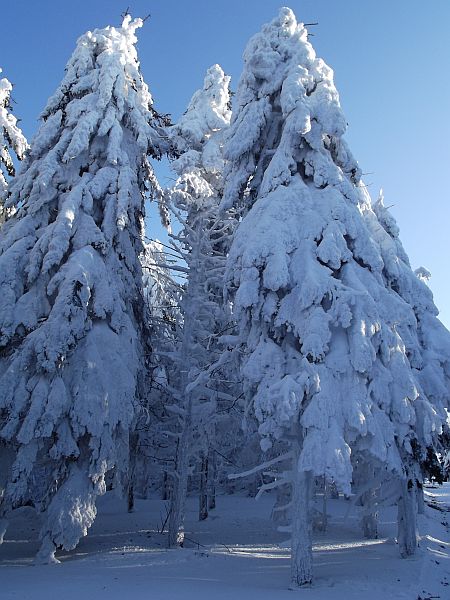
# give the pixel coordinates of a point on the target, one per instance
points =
(124, 556)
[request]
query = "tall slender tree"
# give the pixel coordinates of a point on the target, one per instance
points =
(11, 138)
(329, 346)
(72, 333)
(202, 241)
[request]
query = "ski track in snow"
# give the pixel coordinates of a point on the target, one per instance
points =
(124, 556)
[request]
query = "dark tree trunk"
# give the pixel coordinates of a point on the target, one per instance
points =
(203, 496)
(212, 476)
(407, 524)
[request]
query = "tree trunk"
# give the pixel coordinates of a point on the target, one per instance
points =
(180, 475)
(301, 551)
(212, 475)
(370, 525)
(334, 492)
(46, 553)
(407, 525)
(180, 481)
(203, 495)
(3, 528)
(134, 440)
(254, 485)
(324, 523)
(130, 498)
(165, 494)
(280, 512)
(369, 519)
(420, 498)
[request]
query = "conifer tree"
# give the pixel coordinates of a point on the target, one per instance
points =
(427, 345)
(11, 138)
(72, 334)
(330, 372)
(202, 242)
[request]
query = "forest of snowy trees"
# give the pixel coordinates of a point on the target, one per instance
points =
(279, 339)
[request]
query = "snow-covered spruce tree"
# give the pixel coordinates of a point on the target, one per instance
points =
(428, 354)
(432, 364)
(72, 332)
(202, 242)
(330, 350)
(11, 138)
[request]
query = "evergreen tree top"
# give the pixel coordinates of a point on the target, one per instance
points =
(208, 110)
(198, 137)
(283, 80)
(11, 136)
(101, 96)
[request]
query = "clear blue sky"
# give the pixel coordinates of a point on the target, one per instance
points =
(391, 60)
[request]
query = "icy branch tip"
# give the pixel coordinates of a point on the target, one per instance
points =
(214, 75)
(130, 24)
(216, 70)
(423, 274)
(287, 17)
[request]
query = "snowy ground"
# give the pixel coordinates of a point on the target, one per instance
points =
(124, 557)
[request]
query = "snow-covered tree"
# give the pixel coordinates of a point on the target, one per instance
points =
(72, 328)
(331, 351)
(431, 362)
(202, 243)
(11, 138)
(427, 344)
